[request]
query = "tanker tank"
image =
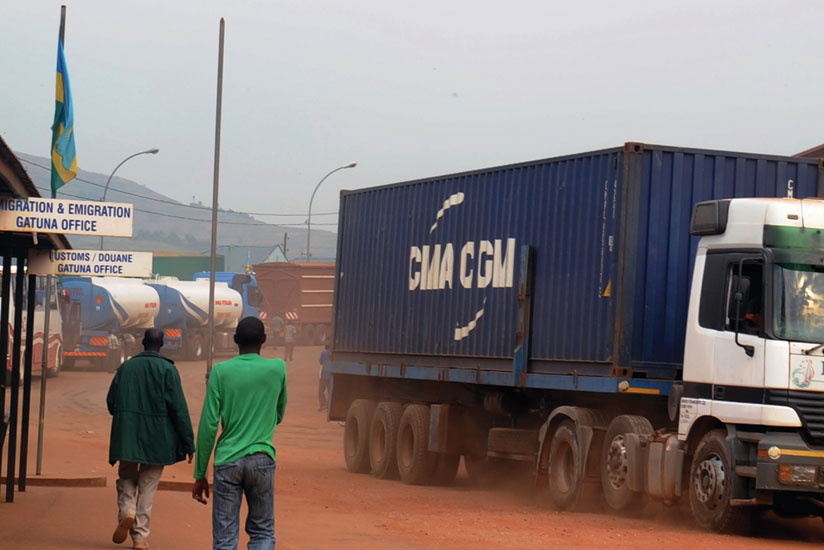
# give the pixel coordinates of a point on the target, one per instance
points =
(184, 315)
(114, 313)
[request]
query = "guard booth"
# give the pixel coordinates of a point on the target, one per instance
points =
(15, 354)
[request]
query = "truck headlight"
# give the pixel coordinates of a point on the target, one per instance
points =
(792, 474)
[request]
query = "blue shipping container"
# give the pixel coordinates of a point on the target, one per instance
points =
(428, 271)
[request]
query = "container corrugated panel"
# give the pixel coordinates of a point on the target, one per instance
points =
(666, 182)
(612, 256)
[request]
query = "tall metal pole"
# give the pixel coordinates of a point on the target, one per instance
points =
(309, 219)
(27, 365)
(44, 364)
(152, 151)
(5, 307)
(213, 259)
(14, 403)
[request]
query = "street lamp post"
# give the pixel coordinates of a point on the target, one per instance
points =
(152, 151)
(309, 219)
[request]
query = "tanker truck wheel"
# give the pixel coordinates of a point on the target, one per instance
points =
(194, 351)
(711, 486)
(356, 435)
(117, 356)
(416, 463)
(615, 462)
(383, 440)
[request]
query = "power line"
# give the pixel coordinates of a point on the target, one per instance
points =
(257, 224)
(175, 203)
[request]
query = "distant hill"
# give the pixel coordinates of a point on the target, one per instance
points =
(159, 225)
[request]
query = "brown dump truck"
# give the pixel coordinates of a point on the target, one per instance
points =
(298, 293)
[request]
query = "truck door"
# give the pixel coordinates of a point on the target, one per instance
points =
(738, 356)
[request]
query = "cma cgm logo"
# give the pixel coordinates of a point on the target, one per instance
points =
(479, 264)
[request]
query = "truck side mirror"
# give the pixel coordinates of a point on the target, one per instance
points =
(739, 295)
(254, 296)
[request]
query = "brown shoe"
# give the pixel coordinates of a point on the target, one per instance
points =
(140, 544)
(123, 528)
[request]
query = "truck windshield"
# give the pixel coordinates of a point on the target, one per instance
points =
(799, 302)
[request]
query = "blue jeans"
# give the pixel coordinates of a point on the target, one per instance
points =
(254, 476)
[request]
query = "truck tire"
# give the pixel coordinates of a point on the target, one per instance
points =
(194, 348)
(565, 479)
(383, 440)
(356, 435)
(446, 469)
(711, 486)
(615, 464)
(55, 372)
(416, 463)
(117, 356)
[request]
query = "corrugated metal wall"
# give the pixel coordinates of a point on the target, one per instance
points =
(671, 182)
(567, 209)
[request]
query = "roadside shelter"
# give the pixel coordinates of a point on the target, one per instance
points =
(17, 354)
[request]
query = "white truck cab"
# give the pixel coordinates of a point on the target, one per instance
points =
(754, 357)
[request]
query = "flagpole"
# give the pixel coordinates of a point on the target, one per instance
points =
(213, 259)
(62, 44)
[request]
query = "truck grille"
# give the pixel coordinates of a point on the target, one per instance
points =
(809, 406)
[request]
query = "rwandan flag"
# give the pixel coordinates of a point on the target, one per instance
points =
(64, 157)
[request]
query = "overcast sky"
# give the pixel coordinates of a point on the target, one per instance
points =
(407, 90)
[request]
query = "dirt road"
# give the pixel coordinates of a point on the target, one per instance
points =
(321, 505)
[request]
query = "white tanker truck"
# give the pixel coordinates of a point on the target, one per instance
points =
(184, 316)
(107, 318)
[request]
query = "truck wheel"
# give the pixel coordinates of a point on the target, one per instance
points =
(383, 440)
(195, 348)
(446, 469)
(711, 486)
(416, 464)
(565, 479)
(55, 372)
(117, 356)
(615, 463)
(356, 435)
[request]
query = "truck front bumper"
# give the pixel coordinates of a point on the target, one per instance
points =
(787, 463)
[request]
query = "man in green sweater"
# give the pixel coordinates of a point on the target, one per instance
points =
(150, 429)
(247, 396)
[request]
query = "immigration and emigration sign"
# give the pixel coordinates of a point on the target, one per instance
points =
(76, 217)
(90, 263)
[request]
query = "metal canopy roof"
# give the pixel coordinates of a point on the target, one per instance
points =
(15, 181)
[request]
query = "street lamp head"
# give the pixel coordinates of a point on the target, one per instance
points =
(351, 165)
(153, 151)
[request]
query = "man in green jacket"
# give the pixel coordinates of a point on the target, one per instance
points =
(247, 396)
(151, 428)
